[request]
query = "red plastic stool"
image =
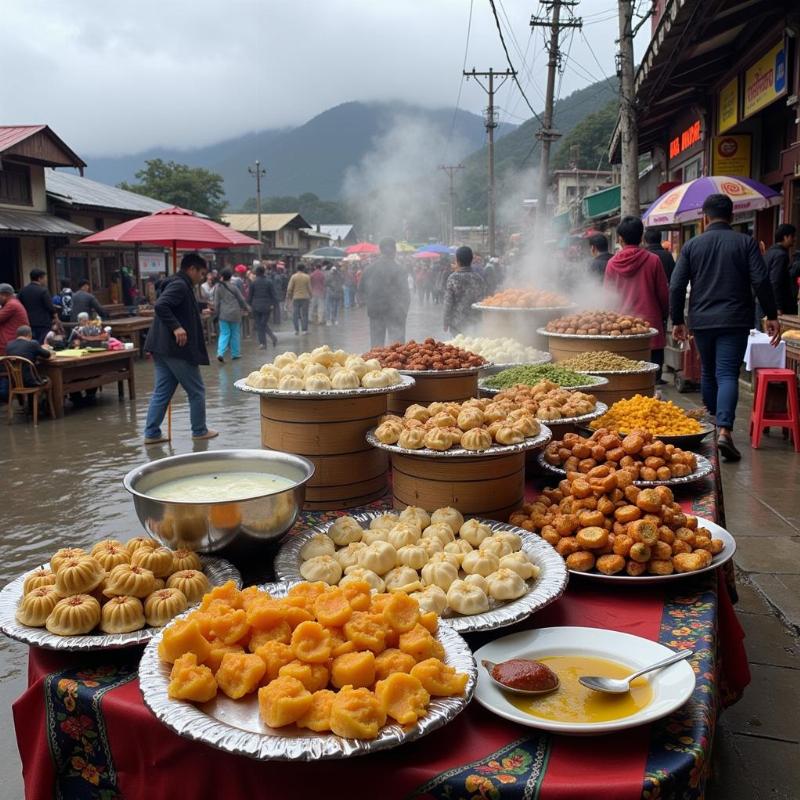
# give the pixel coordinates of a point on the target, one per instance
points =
(760, 418)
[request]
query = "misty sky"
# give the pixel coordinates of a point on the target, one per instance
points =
(114, 78)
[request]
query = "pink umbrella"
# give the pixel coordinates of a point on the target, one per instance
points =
(367, 248)
(428, 254)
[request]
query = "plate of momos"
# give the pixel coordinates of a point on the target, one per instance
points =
(114, 594)
(323, 372)
(477, 574)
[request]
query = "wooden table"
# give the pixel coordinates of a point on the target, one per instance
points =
(77, 373)
(131, 328)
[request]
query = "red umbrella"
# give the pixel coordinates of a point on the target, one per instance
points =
(362, 247)
(173, 227)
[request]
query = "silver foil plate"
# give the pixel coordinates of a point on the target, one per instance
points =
(624, 337)
(517, 309)
(235, 726)
(533, 443)
(445, 373)
(217, 570)
(651, 367)
(704, 469)
(406, 382)
(499, 367)
(581, 387)
(717, 532)
(543, 590)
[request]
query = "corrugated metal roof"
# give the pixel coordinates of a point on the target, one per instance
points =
(312, 234)
(14, 134)
(336, 231)
(71, 189)
(43, 224)
(248, 223)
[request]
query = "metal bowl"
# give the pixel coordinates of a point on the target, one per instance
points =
(208, 527)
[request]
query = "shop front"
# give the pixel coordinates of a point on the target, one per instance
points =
(687, 160)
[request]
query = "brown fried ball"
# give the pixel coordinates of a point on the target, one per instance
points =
(627, 514)
(610, 564)
(649, 500)
(640, 552)
(660, 567)
(580, 562)
(689, 562)
(592, 538)
(635, 568)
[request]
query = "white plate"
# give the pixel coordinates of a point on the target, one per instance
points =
(717, 532)
(672, 686)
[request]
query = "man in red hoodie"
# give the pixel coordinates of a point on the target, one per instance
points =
(637, 279)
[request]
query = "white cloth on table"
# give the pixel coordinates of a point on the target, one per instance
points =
(760, 354)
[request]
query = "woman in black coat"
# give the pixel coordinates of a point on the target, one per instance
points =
(262, 298)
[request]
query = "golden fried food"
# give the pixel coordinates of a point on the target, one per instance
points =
(659, 417)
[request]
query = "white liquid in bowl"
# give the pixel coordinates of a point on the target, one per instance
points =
(219, 487)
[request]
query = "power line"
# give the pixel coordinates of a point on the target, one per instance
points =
(463, 68)
(510, 65)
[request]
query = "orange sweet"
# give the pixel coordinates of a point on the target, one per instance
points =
(419, 643)
(274, 655)
(318, 716)
(265, 612)
(430, 621)
(439, 679)
(392, 660)
(359, 594)
(283, 701)
(378, 602)
(307, 593)
(189, 680)
(239, 674)
(218, 650)
(227, 625)
(366, 631)
(227, 593)
(313, 676)
(181, 637)
(280, 633)
(339, 643)
(356, 714)
(403, 697)
(311, 642)
(353, 669)
(401, 612)
(296, 614)
(333, 608)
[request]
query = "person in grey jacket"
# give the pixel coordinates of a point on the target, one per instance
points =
(229, 303)
(384, 289)
(463, 288)
(84, 301)
(262, 300)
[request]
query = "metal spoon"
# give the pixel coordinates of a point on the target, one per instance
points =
(622, 685)
(490, 665)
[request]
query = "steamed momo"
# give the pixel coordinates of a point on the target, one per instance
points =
(480, 562)
(357, 574)
(419, 515)
(317, 383)
(466, 598)
(520, 563)
(413, 555)
(322, 568)
(379, 557)
(284, 359)
(291, 383)
(375, 379)
(345, 379)
(347, 556)
(450, 516)
(505, 584)
(320, 544)
(431, 598)
(344, 531)
(474, 532)
(496, 546)
(402, 579)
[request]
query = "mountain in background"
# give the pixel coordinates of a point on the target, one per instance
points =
(313, 157)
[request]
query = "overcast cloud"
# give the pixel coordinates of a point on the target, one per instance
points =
(119, 77)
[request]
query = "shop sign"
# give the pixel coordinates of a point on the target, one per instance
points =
(729, 105)
(686, 139)
(765, 81)
(151, 264)
(730, 155)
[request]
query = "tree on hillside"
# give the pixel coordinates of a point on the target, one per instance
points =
(311, 207)
(590, 139)
(195, 188)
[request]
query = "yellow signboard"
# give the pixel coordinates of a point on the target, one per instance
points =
(765, 81)
(730, 155)
(729, 105)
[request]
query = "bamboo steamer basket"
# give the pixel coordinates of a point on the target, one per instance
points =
(622, 385)
(566, 345)
(445, 386)
(492, 486)
(521, 324)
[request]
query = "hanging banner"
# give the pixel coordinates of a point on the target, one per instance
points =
(729, 105)
(765, 81)
(730, 155)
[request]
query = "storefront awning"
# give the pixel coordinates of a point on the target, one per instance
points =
(29, 222)
(604, 203)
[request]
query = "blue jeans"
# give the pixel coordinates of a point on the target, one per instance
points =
(333, 303)
(721, 353)
(169, 373)
(349, 293)
(229, 333)
(300, 315)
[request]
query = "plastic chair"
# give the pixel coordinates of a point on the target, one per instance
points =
(15, 369)
(760, 418)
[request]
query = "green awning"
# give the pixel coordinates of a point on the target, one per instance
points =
(562, 221)
(604, 203)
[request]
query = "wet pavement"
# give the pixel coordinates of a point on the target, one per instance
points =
(62, 486)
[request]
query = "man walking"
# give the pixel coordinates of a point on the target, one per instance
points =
(778, 261)
(38, 304)
(334, 287)
(384, 287)
(652, 242)
(317, 309)
(176, 341)
(298, 292)
(262, 299)
(725, 268)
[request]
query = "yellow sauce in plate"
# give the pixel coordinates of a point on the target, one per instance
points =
(573, 702)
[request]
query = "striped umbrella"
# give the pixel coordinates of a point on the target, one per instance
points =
(684, 203)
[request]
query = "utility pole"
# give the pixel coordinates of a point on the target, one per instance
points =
(258, 171)
(491, 123)
(629, 133)
(547, 134)
(451, 170)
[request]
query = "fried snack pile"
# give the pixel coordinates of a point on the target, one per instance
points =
(525, 298)
(475, 424)
(640, 453)
(547, 401)
(601, 521)
(599, 323)
(115, 588)
(444, 562)
(427, 355)
(659, 417)
(323, 658)
(322, 370)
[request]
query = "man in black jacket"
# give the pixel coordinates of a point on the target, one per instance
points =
(652, 241)
(725, 268)
(84, 301)
(38, 304)
(598, 247)
(384, 289)
(778, 263)
(176, 341)
(262, 301)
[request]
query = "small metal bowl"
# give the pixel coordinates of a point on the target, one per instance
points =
(209, 527)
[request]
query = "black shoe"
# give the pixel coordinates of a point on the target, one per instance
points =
(728, 449)
(221, 359)
(274, 341)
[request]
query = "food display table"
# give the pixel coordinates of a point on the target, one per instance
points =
(83, 730)
(131, 328)
(77, 373)
(760, 354)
